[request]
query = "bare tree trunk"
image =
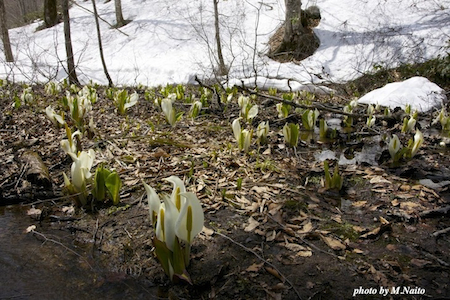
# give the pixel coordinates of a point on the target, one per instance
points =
(73, 79)
(50, 13)
(222, 67)
(100, 47)
(298, 39)
(293, 22)
(5, 35)
(119, 16)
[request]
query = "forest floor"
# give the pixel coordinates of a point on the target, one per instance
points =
(272, 231)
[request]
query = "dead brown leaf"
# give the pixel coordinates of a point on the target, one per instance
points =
(255, 267)
(333, 243)
(270, 236)
(307, 227)
(359, 203)
(379, 179)
(252, 224)
(420, 262)
(274, 272)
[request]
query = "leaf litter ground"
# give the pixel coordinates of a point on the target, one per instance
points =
(271, 231)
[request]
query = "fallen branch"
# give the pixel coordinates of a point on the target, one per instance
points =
(441, 232)
(315, 105)
(437, 212)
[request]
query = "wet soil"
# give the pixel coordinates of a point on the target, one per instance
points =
(272, 231)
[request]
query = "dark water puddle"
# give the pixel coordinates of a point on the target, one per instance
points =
(34, 267)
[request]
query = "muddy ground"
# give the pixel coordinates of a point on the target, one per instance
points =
(272, 231)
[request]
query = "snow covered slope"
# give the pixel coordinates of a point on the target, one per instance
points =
(170, 41)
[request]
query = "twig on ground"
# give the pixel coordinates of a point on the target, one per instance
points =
(302, 240)
(262, 259)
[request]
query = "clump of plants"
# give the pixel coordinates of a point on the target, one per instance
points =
(169, 111)
(56, 119)
(27, 95)
(52, 88)
(196, 107)
(309, 118)
(397, 151)
(79, 107)
(335, 181)
(243, 136)
(409, 122)
(443, 119)
(291, 134)
(248, 109)
(283, 110)
(123, 101)
(105, 183)
(177, 220)
(348, 120)
(262, 131)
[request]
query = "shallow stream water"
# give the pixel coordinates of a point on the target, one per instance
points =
(51, 267)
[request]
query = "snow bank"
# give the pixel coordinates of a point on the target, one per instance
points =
(418, 92)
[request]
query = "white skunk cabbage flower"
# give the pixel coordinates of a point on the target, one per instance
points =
(154, 203)
(309, 118)
(246, 139)
(394, 145)
(178, 188)
(371, 121)
(132, 100)
(190, 220)
(236, 126)
(69, 146)
(53, 116)
(262, 130)
(248, 111)
(169, 112)
(81, 168)
(290, 133)
(243, 101)
(165, 225)
(411, 124)
(418, 141)
(243, 137)
(195, 109)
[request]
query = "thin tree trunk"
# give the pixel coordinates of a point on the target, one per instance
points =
(119, 16)
(222, 67)
(23, 11)
(5, 35)
(100, 47)
(73, 79)
(50, 13)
